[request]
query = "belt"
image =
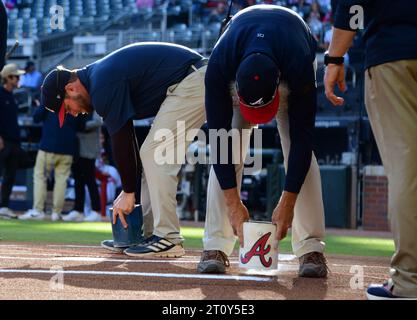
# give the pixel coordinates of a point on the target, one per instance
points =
(195, 66)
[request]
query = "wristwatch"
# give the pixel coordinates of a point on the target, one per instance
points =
(334, 60)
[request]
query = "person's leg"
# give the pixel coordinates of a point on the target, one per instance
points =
(308, 229)
(185, 103)
(145, 201)
(39, 182)
(218, 233)
(90, 180)
(62, 172)
(391, 103)
(9, 174)
(78, 172)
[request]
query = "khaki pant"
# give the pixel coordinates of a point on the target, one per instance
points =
(308, 225)
(391, 102)
(47, 162)
(185, 104)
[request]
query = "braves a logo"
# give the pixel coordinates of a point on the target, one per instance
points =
(261, 249)
(258, 102)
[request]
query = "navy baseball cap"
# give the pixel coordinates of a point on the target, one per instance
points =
(257, 81)
(53, 92)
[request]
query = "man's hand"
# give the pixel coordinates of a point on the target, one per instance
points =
(1, 143)
(335, 74)
(236, 212)
(284, 213)
(124, 204)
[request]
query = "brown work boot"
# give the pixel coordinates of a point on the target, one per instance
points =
(313, 265)
(213, 261)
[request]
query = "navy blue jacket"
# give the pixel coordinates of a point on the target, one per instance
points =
(390, 28)
(284, 37)
(55, 139)
(131, 83)
(9, 127)
(3, 34)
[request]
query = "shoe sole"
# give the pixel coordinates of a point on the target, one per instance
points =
(373, 297)
(212, 267)
(114, 249)
(173, 253)
(311, 272)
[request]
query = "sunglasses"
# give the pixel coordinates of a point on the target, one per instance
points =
(14, 76)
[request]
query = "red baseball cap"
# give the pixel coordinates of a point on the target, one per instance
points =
(257, 81)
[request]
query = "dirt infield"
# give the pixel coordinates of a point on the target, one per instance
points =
(31, 271)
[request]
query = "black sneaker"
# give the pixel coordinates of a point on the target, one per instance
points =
(109, 245)
(156, 246)
(383, 292)
(213, 261)
(313, 265)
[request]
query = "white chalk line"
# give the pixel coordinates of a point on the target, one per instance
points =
(281, 267)
(28, 253)
(31, 245)
(143, 274)
(234, 261)
(92, 259)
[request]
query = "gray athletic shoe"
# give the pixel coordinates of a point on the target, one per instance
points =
(213, 261)
(313, 265)
(109, 245)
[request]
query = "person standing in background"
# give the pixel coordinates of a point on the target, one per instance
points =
(56, 150)
(12, 156)
(83, 170)
(390, 36)
(32, 79)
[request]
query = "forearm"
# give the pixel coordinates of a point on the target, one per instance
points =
(124, 157)
(288, 199)
(232, 197)
(341, 42)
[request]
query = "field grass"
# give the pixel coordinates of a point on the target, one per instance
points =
(94, 233)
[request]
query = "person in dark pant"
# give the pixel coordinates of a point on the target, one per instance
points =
(83, 171)
(12, 156)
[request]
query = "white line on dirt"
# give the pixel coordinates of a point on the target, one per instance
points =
(92, 259)
(95, 259)
(144, 274)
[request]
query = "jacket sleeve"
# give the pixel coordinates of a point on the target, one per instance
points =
(345, 12)
(302, 108)
(126, 156)
(219, 110)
